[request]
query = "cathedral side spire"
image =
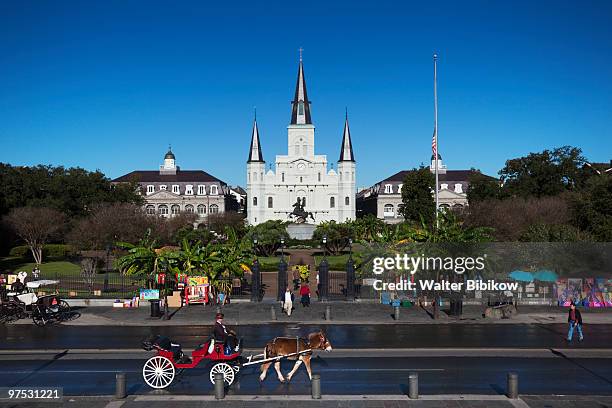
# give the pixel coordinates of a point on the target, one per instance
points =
(255, 153)
(346, 150)
(300, 111)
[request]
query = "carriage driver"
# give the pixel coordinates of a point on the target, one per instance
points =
(224, 336)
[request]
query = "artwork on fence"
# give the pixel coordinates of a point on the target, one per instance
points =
(589, 292)
(149, 294)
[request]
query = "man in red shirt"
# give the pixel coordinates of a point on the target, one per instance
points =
(574, 319)
(305, 294)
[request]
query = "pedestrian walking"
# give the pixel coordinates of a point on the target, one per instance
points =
(574, 319)
(288, 303)
(305, 294)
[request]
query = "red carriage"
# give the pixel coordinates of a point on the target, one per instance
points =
(160, 370)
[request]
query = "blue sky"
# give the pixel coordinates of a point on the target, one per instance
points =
(109, 84)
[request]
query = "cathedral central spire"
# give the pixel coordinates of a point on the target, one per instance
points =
(300, 112)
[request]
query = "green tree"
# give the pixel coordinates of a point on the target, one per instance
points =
(548, 173)
(368, 228)
(482, 187)
(418, 203)
(73, 191)
(338, 235)
(36, 226)
(554, 233)
(269, 235)
(592, 208)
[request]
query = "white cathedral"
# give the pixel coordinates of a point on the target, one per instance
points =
(301, 175)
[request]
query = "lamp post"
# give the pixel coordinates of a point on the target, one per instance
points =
(282, 273)
(324, 272)
(108, 249)
(350, 273)
(255, 278)
(282, 242)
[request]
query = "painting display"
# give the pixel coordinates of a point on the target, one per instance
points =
(589, 292)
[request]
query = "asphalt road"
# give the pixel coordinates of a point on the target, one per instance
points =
(341, 375)
(28, 337)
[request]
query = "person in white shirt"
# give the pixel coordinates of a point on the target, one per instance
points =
(288, 303)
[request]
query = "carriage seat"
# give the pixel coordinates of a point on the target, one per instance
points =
(166, 344)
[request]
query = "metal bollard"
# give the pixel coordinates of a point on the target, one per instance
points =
(328, 313)
(396, 311)
(512, 385)
(273, 312)
(315, 384)
(219, 386)
(413, 386)
(120, 386)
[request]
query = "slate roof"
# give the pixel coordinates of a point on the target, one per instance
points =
(144, 176)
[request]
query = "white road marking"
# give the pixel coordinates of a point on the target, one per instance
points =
(381, 369)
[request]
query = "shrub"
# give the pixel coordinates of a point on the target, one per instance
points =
(21, 251)
(49, 250)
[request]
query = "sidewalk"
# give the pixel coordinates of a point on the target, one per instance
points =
(342, 313)
(331, 401)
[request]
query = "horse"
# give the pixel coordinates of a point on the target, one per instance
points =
(281, 346)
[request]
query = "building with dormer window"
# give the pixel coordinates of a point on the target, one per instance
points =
(170, 190)
(384, 199)
(328, 193)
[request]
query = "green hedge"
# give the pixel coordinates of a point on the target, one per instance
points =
(49, 250)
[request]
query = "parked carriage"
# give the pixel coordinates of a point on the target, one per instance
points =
(22, 302)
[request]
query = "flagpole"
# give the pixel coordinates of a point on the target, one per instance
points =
(435, 59)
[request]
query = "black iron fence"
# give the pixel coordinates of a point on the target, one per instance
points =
(107, 285)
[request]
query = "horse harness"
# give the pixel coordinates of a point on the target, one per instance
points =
(297, 344)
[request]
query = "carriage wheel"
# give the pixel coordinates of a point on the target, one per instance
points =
(38, 318)
(226, 370)
(64, 310)
(158, 372)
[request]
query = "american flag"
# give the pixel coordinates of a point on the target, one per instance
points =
(434, 145)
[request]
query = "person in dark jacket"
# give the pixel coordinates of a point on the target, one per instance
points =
(224, 336)
(574, 319)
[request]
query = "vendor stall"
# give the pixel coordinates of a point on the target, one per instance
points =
(197, 290)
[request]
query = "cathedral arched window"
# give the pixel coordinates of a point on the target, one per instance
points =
(163, 209)
(346, 201)
(270, 202)
(151, 209)
(201, 209)
(213, 209)
(301, 179)
(189, 208)
(332, 202)
(319, 177)
(283, 177)
(254, 200)
(175, 209)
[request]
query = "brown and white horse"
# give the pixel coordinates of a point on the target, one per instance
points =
(281, 346)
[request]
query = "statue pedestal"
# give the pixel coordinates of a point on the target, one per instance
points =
(300, 231)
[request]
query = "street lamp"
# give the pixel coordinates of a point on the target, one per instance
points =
(282, 242)
(324, 246)
(255, 277)
(350, 242)
(108, 249)
(323, 281)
